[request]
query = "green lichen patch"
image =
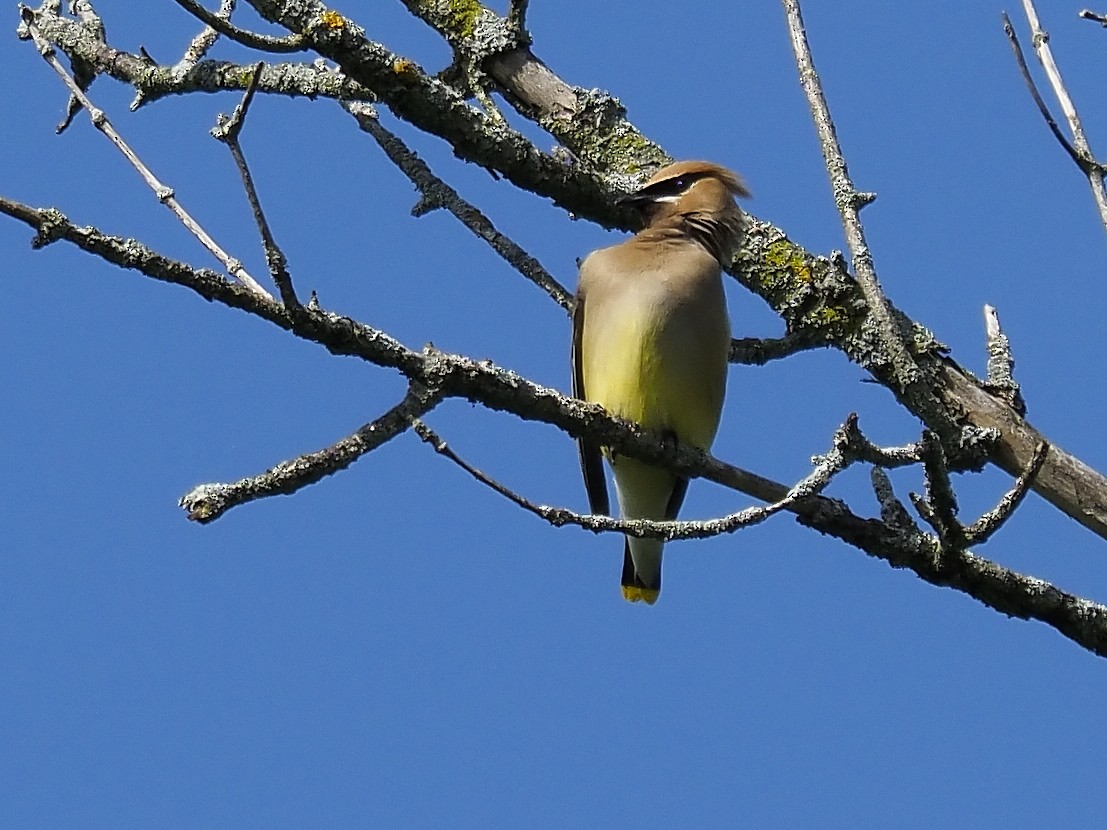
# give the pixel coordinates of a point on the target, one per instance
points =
(461, 17)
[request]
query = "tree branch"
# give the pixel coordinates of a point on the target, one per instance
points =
(153, 82)
(985, 527)
(208, 502)
(1001, 363)
(807, 291)
(1087, 14)
(228, 131)
(849, 201)
(1085, 160)
(263, 43)
(1006, 591)
(437, 194)
(163, 193)
(641, 528)
(756, 351)
(203, 42)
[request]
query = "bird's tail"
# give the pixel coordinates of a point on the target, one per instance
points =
(635, 588)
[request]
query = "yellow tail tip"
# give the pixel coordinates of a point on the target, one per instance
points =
(636, 593)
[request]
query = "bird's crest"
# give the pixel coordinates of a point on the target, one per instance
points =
(680, 175)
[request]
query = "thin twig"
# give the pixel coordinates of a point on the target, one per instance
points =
(863, 449)
(228, 132)
(849, 201)
(892, 511)
(265, 43)
(164, 194)
(939, 506)
(757, 351)
(208, 502)
(1087, 161)
(84, 72)
(1088, 14)
(1045, 56)
(517, 22)
(1024, 70)
(985, 527)
(642, 528)
(203, 42)
(435, 193)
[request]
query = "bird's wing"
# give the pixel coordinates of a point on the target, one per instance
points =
(591, 460)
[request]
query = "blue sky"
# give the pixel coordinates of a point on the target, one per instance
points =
(398, 646)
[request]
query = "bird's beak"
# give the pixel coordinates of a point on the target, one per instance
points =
(638, 197)
(651, 194)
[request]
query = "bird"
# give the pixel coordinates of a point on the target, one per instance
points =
(651, 339)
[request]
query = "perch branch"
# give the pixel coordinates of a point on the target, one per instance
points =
(826, 467)
(1000, 588)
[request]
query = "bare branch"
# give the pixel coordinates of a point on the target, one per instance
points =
(849, 201)
(208, 502)
(587, 122)
(228, 131)
(939, 506)
(203, 42)
(435, 107)
(264, 43)
(826, 467)
(1004, 590)
(862, 449)
(153, 82)
(517, 21)
(1024, 70)
(84, 72)
(437, 194)
(756, 351)
(985, 527)
(164, 194)
(1086, 160)
(1087, 14)
(892, 511)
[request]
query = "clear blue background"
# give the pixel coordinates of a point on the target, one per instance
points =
(398, 646)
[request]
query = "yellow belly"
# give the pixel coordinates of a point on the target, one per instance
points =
(637, 369)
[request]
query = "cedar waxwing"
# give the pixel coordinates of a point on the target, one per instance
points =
(651, 339)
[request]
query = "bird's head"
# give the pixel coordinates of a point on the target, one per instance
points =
(687, 187)
(698, 198)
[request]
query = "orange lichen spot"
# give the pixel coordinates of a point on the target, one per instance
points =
(403, 66)
(333, 19)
